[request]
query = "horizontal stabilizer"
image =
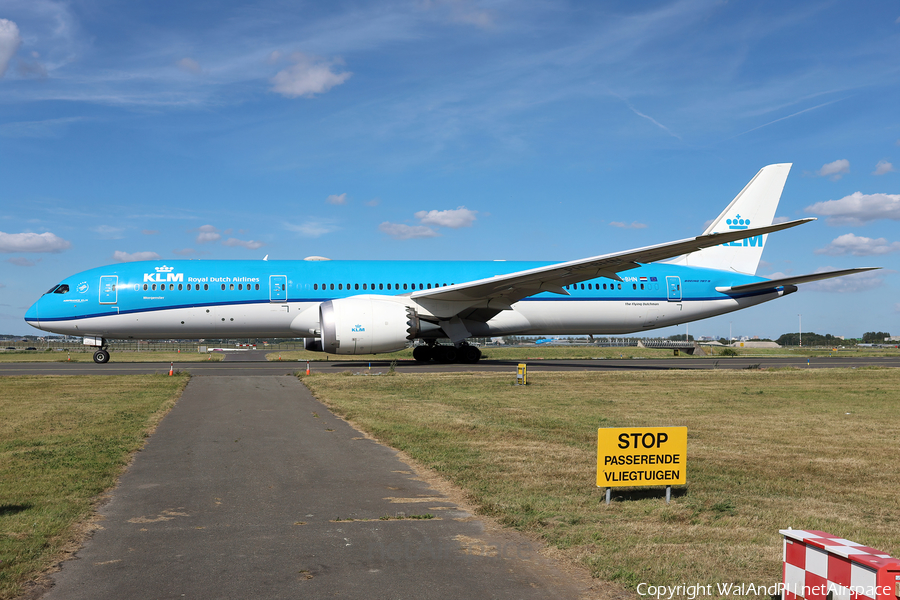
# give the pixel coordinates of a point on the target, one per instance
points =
(775, 283)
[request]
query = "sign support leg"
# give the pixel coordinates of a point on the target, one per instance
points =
(608, 494)
(668, 493)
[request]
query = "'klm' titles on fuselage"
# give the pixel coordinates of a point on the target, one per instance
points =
(158, 278)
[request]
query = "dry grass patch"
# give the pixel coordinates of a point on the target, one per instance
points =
(809, 449)
(63, 442)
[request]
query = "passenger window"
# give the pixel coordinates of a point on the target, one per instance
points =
(205, 286)
(315, 286)
(620, 286)
(389, 286)
(340, 286)
(642, 286)
(380, 286)
(283, 286)
(257, 286)
(429, 286)
(153, 287)
(404, 286)
(145, 287)
(332, 286)
(634, 286)
(364, 286)
(355, 286)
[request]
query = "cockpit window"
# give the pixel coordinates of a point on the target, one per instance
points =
(53, 289)
(61, 289)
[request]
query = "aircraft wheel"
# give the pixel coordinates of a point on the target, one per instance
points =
(469, 355)
(447, 354)
(101, 357)
(423, 353)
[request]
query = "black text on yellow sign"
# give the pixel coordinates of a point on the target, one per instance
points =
(633, 456)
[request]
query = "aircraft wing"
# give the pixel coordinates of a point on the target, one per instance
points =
(501, 291)
(774, 283)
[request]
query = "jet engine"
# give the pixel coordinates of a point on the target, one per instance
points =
(366, 325)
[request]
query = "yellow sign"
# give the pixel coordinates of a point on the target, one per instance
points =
(520, 374)
(633, 456)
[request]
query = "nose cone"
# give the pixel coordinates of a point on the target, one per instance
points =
(31, 315)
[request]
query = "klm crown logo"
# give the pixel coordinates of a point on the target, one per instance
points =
(739, 223)
(164, 269)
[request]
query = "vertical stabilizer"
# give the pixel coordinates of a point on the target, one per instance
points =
(753, 207)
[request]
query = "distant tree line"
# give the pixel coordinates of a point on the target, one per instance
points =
(811, 338)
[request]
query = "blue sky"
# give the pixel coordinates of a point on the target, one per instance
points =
(449, 129)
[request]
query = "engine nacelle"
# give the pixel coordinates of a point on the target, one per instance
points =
(366, 325)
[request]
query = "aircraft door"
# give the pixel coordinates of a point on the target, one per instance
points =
(277, 288)
(108, 292)
(673, 285)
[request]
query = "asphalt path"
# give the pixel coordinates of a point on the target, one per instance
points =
(255, 364)
(250, 488)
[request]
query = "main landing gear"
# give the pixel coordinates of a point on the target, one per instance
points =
(101, 356)
(465, 354)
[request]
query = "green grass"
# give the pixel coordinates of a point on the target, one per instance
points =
(115, 356)
(767, 450)
(63, 442)
(593, 352)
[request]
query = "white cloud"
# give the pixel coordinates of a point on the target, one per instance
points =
(108, 232)
(150, 231)
(858, 208)
(454, 219)
(32, 242)
(307, 77)
(373, 202)
(9, 43)
(313, 228)
(120, 256)
(189, 64)
(399, 231)
(21, 261)
(634, 225)
(208, 233)
(859, 246)
(249, 244)
(835, 170)
(337, 199)
(858, 282)
(897, 307)
(883, 167)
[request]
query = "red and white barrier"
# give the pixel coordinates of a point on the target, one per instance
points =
(821, 566)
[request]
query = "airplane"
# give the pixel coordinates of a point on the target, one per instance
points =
(373, 307)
